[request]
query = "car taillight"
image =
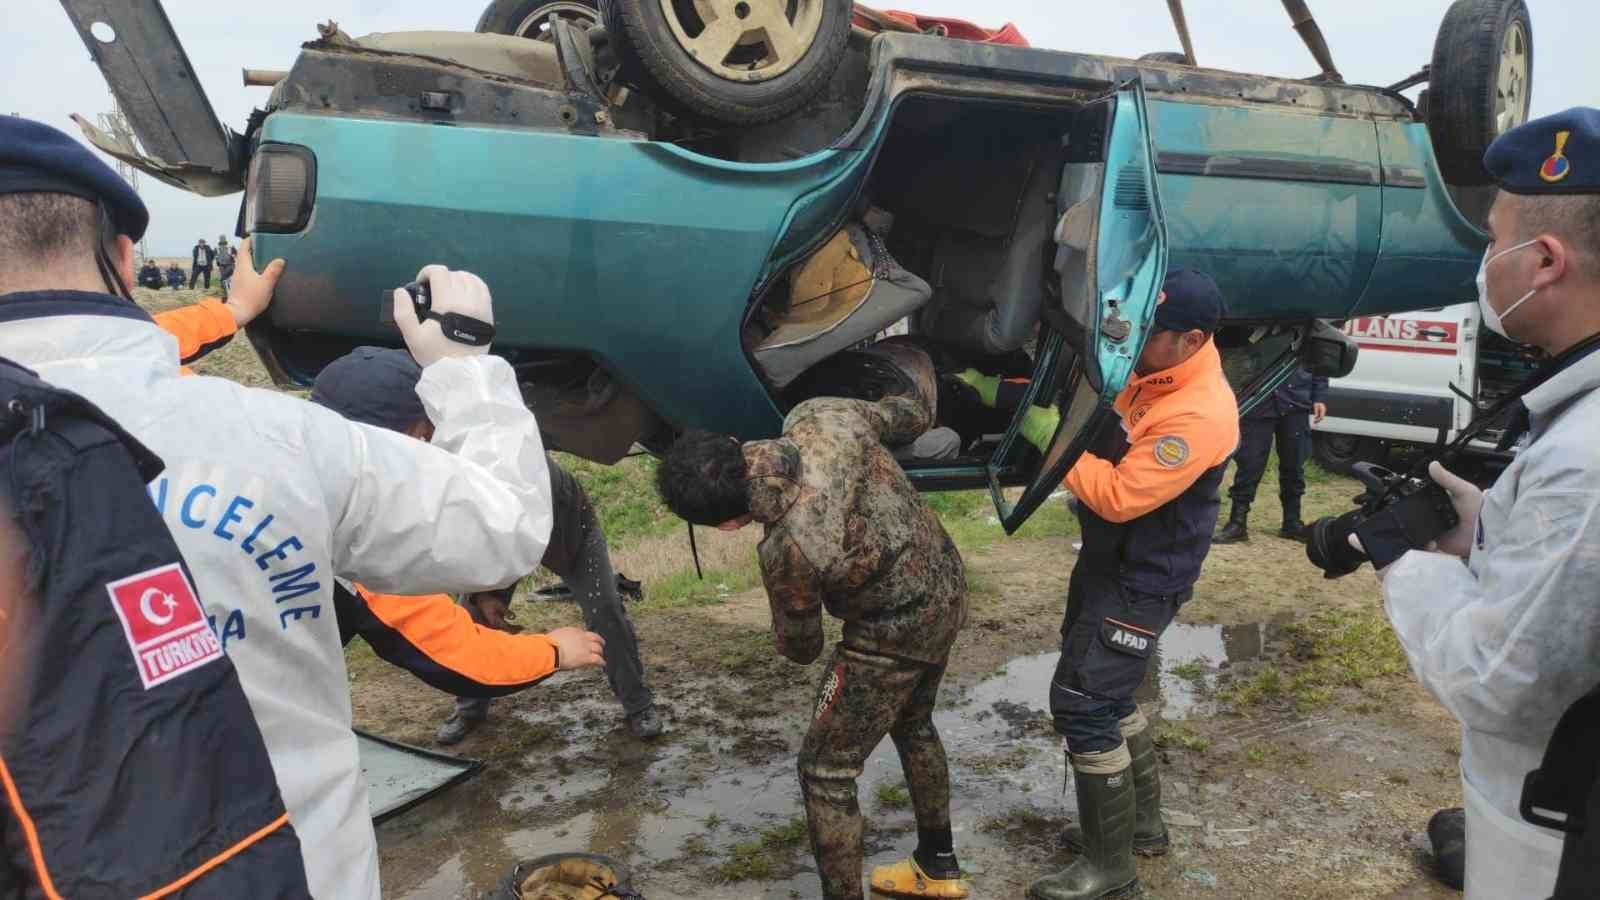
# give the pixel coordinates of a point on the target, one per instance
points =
(281, 190)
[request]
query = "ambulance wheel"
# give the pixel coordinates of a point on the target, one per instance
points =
(1479, 83)
(531, 18)
(1338, 452)
(740, 62)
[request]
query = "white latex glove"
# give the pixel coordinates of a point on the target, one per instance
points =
(1468, 502)
(457, 292)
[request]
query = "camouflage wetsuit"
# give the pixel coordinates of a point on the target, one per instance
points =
(846, 530)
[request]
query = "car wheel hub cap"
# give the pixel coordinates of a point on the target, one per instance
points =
(1511, 82)
(536, 25)
(744, 40)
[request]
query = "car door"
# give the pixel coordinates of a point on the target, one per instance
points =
(1111, 258)
(159, 95)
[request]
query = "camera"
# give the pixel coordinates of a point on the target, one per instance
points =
(1396, 513)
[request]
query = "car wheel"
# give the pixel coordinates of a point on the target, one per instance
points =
(1338, 452)
(740, 62)
(531, 18)
(1479, 83)
(1166, 56)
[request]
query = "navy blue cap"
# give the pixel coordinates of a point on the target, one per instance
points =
(1557, 154)
(35, 158)
(373, 385)
(1193, 301)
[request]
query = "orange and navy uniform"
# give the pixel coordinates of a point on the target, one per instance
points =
(200, 328)
(1148, 492)
(436, 640)
(429, 636)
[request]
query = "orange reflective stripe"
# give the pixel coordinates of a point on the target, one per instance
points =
(220, 858)
(446, 634)
(29, 832)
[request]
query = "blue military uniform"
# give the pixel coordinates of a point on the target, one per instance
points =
(1284, 417)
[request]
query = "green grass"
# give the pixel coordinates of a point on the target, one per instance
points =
(1329, 650)
(1193, 671)
(1182, 735)
(893, 796)
(684, 589)
(624, 495)
(763, 856)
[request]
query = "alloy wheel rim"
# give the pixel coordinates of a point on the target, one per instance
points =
(1511, 81)
(747, 41)
(536, 25)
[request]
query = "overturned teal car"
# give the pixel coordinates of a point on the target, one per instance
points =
(697, 214)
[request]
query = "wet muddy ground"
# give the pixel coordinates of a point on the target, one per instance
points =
(1266, 799)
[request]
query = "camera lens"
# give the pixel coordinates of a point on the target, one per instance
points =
(1328, 544)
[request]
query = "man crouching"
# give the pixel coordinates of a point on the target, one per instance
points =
(844, 528)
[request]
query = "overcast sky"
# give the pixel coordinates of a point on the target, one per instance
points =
(46, 73)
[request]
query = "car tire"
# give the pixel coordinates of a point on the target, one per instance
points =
(655, 46)
(1166, 56)
(1479, 83)
(530, 18)
(1338, 452)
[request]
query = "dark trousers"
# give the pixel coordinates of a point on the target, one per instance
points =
(1293, 434)
(1107, 639)
(579, 556)
(862, 697)
(196, 272)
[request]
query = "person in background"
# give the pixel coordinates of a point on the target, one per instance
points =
(224, 262)
(150, 275)
(272, 499)
(200, 263)
(1285, 416)
(845, 530)
(1500, 621)
(175, 276)
(379, 387)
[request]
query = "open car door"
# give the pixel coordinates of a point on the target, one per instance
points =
(139, 54)
(1111, 258)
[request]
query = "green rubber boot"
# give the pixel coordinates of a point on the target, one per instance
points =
(1104, 869)
(1150, 836)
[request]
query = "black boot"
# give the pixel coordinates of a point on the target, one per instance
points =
(1293, 528)
(1235, 531)
(1447, 831)
(1149, 829)
(1104, 869)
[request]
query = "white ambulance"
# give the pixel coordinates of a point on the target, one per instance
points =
(1399, 393)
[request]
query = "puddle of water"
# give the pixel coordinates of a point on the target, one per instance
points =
(652, 805)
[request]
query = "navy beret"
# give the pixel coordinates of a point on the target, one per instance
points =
(373, 385)
(1557, 154)
(35, 158)
(1193, 301)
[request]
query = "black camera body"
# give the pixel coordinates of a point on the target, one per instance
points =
(1396, 513)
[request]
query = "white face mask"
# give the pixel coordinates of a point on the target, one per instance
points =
(1495, 321)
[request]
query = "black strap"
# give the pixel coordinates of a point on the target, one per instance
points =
(457, 327)
(1568, 771)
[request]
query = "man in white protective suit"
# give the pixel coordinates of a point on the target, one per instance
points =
(271, 498)
(1502, 620)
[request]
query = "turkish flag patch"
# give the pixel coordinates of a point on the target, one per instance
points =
(164, 624)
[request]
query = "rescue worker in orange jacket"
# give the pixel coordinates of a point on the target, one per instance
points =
(205, 326)
(1147, 499)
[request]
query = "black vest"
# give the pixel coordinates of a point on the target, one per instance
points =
(129, 756)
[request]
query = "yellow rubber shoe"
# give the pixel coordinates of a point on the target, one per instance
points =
(906, 879)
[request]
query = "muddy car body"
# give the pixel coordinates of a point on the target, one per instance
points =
(1040, 193)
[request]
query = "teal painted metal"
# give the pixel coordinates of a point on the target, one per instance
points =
(640, 253)
(1279, 247)
(1429, 250)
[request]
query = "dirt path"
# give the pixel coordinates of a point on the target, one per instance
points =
(1311, 800)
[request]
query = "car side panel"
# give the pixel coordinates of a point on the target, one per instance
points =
(1430, 252)
(1282, 207)
(642, 254)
